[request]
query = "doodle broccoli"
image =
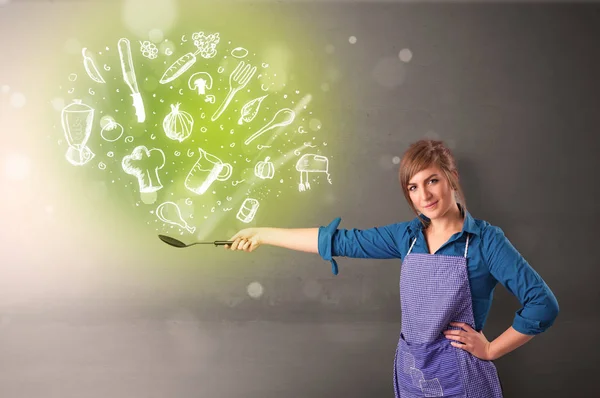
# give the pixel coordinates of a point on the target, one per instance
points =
(206, 44)
(144, 164)
(148, 49)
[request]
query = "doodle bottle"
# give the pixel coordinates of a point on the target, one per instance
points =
(77, 119)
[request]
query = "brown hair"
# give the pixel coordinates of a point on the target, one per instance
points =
(426, 153)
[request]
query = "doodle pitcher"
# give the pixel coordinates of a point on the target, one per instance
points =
(206, 170)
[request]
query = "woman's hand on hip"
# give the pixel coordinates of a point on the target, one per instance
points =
(472, 341)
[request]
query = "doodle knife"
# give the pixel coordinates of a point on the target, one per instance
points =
(129, 76)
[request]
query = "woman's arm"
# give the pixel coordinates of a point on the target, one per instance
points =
(301, 239)
(475, 342)
(539, 305)
(507, 342)
(376, 242)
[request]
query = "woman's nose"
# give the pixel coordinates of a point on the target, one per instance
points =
(425, 194)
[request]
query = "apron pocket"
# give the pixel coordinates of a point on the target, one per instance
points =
(429, 369)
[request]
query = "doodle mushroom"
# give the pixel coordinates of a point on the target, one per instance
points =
(200, 81)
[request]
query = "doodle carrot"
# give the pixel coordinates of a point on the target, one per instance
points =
(206, 48)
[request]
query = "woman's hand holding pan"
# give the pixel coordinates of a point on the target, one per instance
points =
(247, 240)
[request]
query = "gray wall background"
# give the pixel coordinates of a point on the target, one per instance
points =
(513, 88)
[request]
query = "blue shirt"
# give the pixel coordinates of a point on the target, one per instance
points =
(491, 258)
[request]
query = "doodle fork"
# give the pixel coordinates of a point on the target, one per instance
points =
(237, 80)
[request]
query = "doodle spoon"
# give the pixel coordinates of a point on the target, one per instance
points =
(283, 117)
(177, 243)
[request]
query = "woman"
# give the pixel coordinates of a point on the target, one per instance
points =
(451, 263)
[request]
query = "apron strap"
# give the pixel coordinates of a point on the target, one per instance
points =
(411, 246)
(415, 239)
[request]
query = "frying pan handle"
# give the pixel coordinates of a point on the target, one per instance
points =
(223, 242)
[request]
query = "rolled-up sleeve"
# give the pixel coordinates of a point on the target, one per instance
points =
(378, 242)
(507, 265)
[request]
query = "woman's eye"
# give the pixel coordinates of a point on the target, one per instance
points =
(411, 188)
(434, 180)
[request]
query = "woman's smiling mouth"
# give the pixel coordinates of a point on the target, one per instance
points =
(431, 205)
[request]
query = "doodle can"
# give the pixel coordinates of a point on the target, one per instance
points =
(247, 210)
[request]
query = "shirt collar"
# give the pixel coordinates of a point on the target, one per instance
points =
(469, 225)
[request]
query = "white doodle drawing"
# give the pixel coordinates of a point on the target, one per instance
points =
(207, 169)
(90, 68)
(248, 210)
(77, 121)
(111, 131)
(311, 163)
(431, 388)
(283, 117)
(238, 79)
(206, 47)
(178, 124)
(129, 77)
(144, 164)
(148, 49)
(169, 213)
(239, 52)
(264, 169)
(200, 81)
(210, 99)
(250, 109)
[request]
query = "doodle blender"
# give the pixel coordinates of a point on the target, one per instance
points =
(210, 139)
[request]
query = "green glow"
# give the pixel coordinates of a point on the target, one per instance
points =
(288, 82)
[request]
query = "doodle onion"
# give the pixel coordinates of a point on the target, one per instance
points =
(178, 124)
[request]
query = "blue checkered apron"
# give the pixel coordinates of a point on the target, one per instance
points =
(434, 291)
